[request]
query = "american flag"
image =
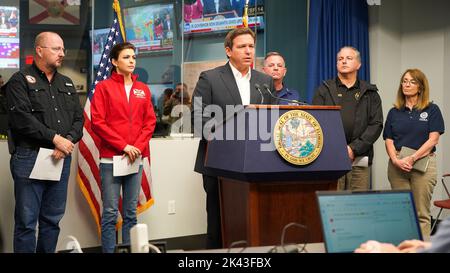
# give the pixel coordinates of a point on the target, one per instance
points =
(88, 152)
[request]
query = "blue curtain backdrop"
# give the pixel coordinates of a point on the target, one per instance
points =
(332, 25)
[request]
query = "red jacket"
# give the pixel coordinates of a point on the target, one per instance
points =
(118, 122)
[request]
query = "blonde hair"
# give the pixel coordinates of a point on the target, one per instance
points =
(423, 99)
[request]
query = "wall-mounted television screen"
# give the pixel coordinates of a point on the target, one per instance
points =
(99, 37)
(9, 37)
(209, 16)
(150, 28)
(9, 22)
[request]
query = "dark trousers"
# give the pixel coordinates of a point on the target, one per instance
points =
(214, 229)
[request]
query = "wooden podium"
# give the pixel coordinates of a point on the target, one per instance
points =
(260, 192)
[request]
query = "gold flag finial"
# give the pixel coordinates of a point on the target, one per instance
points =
(245, 15)
(116, 7)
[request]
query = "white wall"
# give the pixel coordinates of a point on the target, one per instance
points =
(410, 34)
(385, 65)
(173, 179)
(6, 198)
(7, 73)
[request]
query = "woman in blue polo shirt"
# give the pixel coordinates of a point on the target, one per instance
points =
(416, 123)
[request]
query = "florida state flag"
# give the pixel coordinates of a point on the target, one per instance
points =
(53, 12)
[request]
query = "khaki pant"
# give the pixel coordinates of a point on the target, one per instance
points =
(421, 185)
(355, 180)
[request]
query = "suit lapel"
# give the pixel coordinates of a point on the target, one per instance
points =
(255, 96)
(230, 83)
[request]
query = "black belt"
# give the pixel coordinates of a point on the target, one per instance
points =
(28, 145)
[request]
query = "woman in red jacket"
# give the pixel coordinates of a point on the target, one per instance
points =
(122, 116)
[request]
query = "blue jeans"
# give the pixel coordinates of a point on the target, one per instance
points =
(36, 200)
(131, 185)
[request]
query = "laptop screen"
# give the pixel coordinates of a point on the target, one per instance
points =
(352, 218)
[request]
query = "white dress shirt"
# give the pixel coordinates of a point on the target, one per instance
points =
(243, 83)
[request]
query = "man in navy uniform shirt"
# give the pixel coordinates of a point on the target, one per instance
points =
(275, 66)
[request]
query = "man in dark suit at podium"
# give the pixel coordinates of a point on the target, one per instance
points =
(231, 84)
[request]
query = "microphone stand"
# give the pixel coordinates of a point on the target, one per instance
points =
(260, 93)
(266, 87)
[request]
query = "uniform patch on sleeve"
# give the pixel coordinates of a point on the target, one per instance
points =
(30, 79)
(69, 84)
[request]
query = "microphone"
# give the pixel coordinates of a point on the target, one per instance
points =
(259, 90)
(266, 87)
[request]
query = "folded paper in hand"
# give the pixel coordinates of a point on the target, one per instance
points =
(420, 165)
(361, 161)
(122, 167)
(46, 167)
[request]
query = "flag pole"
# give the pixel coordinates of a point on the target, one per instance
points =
(245, 16)
(116, 7)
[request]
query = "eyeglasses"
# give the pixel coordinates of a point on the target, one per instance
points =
(56, 49)
(411, 82)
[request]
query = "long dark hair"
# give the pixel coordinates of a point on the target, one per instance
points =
(115, 51)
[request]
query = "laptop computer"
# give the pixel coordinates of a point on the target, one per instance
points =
(352, 218)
